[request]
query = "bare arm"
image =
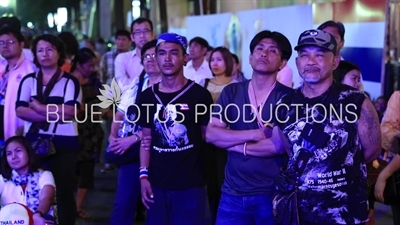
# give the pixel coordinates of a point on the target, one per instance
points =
(264, 148)
(390, 125)
(28, 114)
(46, 198)
(390, 168)
(145, 153)
(369, 131)
(219, 135)
(116, 123)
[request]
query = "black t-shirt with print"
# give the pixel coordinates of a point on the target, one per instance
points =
(176, 155)
(246, 174)
(333, 186)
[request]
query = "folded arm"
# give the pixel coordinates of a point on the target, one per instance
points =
(264, 148)
(218, 134)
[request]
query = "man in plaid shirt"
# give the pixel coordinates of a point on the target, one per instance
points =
(123, 43)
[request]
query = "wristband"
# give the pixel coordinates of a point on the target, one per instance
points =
(143, 173)
(244, 149)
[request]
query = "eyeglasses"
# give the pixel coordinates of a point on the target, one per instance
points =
(139, 32)
(149, 56)
(9, 42)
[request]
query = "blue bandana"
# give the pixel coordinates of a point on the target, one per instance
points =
(173, 38)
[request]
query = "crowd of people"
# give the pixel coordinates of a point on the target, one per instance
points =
(172, 160)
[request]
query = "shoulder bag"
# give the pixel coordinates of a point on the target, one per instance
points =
(132, 154)
(44, 147)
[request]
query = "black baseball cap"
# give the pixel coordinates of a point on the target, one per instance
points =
(317, 38)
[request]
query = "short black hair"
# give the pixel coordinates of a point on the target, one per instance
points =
(16, 33)
(83, 55)
(210, 48)
(344, 67)
(123, 33)
(201, 41)
(32, 161)
(12, 22)
(283, 43)
(53, 40)
(141, 20)
(71, 44)
(331, 23)
(236, 58)
(147, 46)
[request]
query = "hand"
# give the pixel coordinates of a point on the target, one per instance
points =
(258, 135)
(34, 104)
(146, 143)
(147, 193)
(111, 138)
(120, 145)
(380, 187)
(38, 220)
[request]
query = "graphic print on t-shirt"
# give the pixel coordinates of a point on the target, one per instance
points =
(332, 187)
(172, 133)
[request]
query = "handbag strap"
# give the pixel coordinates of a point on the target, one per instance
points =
(42, 96)
(140, 86)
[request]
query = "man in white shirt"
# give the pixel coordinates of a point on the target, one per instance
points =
(13, 68)
(128, 65)
(15, 24)
(197, 69)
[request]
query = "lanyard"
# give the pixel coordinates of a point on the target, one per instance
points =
(257, 109)
(175, 98)
(165, 109)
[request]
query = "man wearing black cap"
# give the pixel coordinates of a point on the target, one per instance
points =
(172, 170)
(333, 130)
(242, 124)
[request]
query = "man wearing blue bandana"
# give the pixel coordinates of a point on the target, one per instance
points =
(174, 113)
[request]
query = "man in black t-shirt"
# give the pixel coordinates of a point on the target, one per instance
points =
(172, 113)
(333, 129)
(239, 125)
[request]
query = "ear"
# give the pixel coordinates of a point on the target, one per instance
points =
(342, 44)
(204, 51)
(132, 38)
(297, 62)
(335, 63)
(250, 57)
(22, 44)
(283, 64)
(186, 59)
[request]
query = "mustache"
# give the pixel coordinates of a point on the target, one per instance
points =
(168, 64)
(311, 69)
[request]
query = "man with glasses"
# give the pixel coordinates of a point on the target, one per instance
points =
(13, 68)
(128, 186)
(128, 65)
